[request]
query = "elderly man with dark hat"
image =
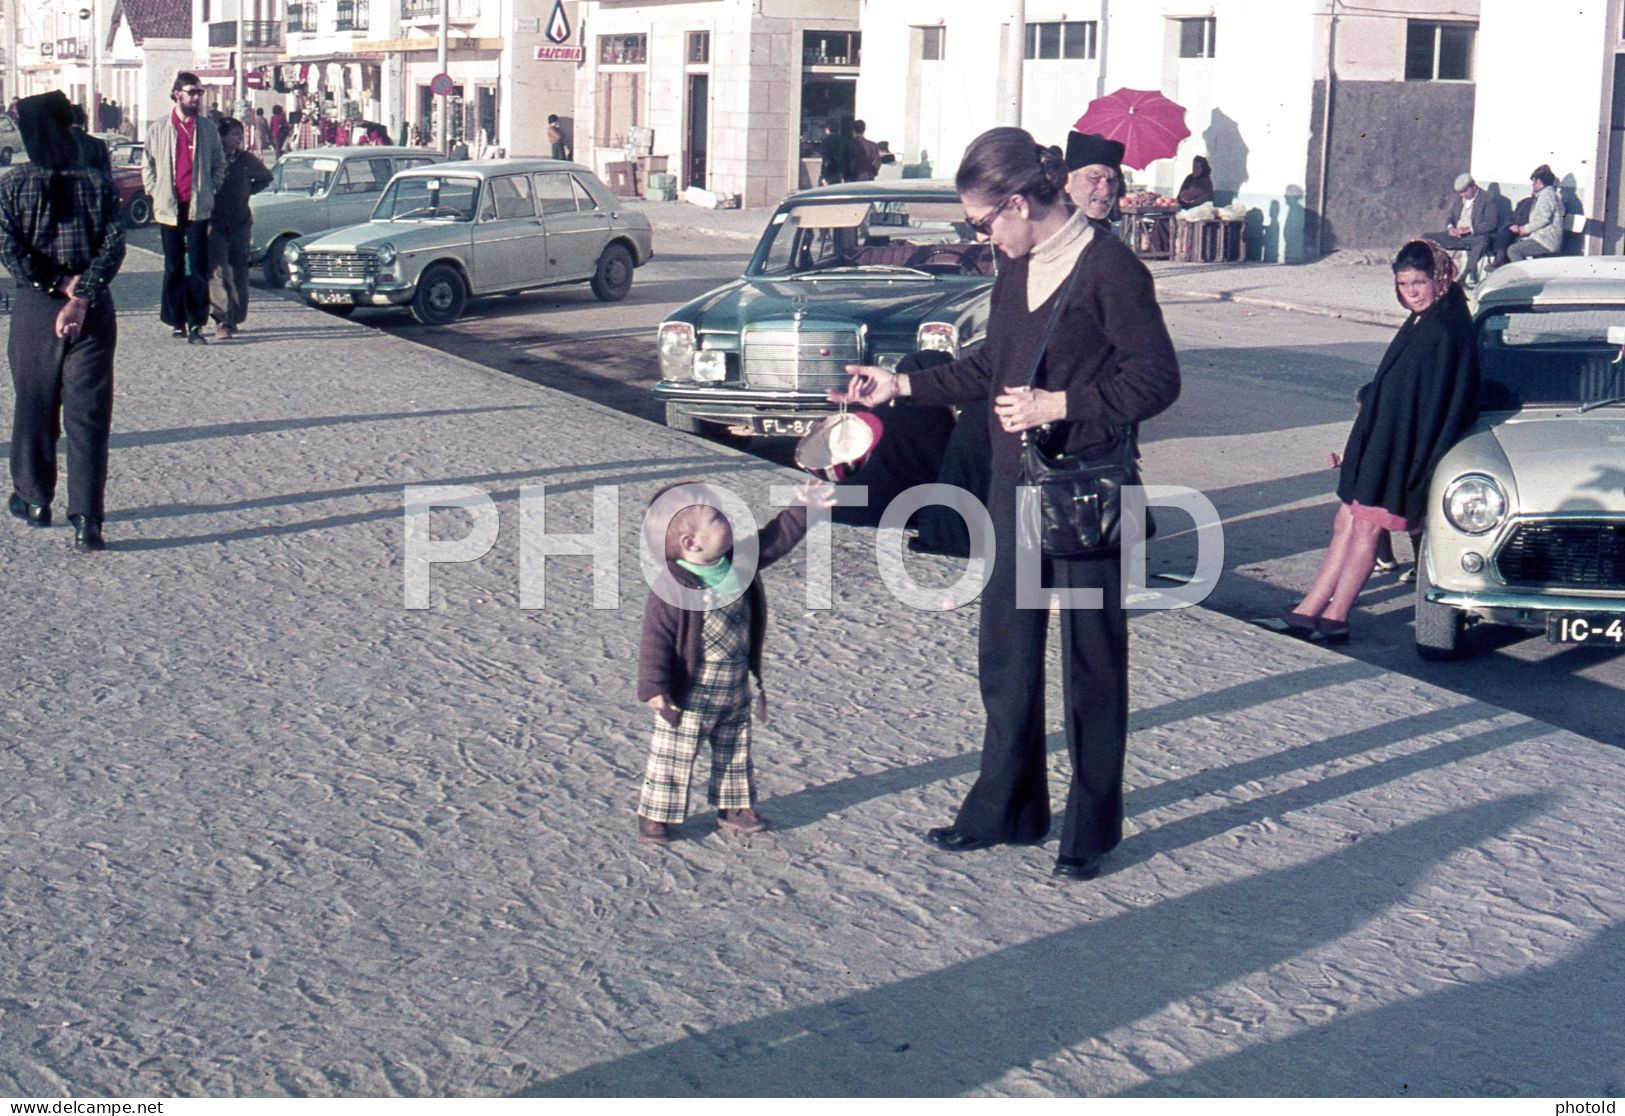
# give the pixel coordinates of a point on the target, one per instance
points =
(1094, 178)
(60, 237)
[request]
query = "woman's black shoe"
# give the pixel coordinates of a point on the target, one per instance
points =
(35, 515)
(87, 533)
(1077, 867)
(955, 840)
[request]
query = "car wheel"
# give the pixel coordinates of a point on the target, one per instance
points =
(138, 212)
(1438, 627)
(5, 156)
(440, 297)
(275, 265)
(613, 279)
(679, 419)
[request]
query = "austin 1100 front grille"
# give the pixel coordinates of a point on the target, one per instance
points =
(341, 265)
(800, 359)
(1565, 554)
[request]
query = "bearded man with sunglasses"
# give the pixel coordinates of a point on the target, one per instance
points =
(185, 166)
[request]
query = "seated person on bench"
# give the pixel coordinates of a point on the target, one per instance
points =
(1471, 226)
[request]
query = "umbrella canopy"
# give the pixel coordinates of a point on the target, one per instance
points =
(1147, 124)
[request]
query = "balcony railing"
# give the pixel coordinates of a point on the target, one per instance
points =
(430, 9)
(257, 34)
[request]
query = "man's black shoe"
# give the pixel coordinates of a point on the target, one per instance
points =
(956, 840)
(35, 515)
(194, 336)
(87, 533)
(1077, 867)
(178, 331)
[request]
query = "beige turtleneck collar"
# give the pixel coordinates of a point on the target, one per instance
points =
(1049, 263)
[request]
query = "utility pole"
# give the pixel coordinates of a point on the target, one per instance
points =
(1015, 55)
(93, 122)
(442, 111)
(240, 70)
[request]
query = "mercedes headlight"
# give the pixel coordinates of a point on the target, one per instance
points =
(676, 351)
(386, 254)
(1475, 504)
(937, 337)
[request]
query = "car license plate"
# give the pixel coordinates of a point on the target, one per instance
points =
(1595, 628)
(785, 427)
(331, 298)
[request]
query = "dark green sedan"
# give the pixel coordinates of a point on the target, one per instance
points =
(860, 273)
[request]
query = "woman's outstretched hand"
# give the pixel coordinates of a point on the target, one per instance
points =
(870, 386)
(1024, 408)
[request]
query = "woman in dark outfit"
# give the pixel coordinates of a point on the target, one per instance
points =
(1425, 394)
(1108, 365)
(1198, 185)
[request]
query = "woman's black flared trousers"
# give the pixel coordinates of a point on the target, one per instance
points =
(1010, 800)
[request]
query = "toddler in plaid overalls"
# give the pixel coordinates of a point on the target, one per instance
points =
(698, 657)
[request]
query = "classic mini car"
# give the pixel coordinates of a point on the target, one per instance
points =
(126, 160)
(318, 189)
(865, 272)
(446, 233)
(1526, 517)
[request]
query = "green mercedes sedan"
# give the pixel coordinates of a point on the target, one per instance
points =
(859, 273)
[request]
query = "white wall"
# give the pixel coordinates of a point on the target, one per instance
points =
(1533, 110)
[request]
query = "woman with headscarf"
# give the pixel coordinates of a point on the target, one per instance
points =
(1424, 395)
(62, 239)
(1197, 189)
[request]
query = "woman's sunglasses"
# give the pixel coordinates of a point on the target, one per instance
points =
(983, 226)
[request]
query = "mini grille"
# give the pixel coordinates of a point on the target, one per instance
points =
(341, 265)
(805, 360)
(1577, 554)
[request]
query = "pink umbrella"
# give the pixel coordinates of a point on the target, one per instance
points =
(1147, 124)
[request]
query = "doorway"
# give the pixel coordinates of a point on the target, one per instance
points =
(1613, 213)
(695, 123)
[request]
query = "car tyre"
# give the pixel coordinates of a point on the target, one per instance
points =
(679, 419)
(138, 212)
(1438, 627)
(612, 280)
(440, 296)
(5, 156)
(275, 266)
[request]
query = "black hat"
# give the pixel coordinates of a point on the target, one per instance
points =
(44, 120)
(1085, 149)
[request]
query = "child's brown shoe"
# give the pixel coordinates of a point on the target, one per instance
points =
(657, 832)
(746, 821)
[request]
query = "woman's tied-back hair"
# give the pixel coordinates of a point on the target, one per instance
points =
(1428, 258)
(1005, 161)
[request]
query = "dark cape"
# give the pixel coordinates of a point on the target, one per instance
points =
(1425, 395)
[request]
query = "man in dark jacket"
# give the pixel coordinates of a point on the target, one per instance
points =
(230, 230)
(1471, 226)
(92, 151)
(61, 239)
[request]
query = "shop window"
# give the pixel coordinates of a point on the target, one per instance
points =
(830, 48)
(699, 48)
(1196, 37)
(1066, 40)
(623, 50)
(1439, 51)
(933, 44)
(346, 16)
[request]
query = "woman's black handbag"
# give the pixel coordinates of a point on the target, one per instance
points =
(1071, 505)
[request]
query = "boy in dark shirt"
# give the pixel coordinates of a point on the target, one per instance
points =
(702, 640)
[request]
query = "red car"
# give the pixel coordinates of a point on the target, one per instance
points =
(132, 196)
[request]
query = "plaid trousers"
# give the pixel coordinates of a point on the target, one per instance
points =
(716, 711)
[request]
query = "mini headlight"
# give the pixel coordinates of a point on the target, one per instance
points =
(1475, 504)
(938, 337)
(710, 367)
(386, 254)
(676, 351)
